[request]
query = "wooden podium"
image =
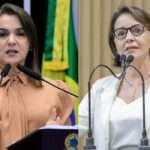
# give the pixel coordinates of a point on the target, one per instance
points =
(51, 137)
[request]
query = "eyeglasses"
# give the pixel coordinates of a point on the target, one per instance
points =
(136, 30)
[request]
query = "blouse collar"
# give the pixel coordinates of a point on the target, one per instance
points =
(17, 76)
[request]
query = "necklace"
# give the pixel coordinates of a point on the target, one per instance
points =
(133, 89)
(146, 81)
(128, 82)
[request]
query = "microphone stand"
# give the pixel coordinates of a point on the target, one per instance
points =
(90, 140)
(144, 142)
(59, 88)
(37, 76)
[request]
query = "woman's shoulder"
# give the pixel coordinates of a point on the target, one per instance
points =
(55, 85)
(55, 82)
(105, 82)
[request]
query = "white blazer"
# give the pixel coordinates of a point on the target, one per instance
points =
(103, 94)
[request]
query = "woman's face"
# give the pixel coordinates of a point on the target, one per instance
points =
(14, 44)
(134, 41)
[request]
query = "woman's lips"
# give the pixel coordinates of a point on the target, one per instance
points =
(11, 52)
(131, 48)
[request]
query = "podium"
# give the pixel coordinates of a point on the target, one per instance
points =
(51, 137)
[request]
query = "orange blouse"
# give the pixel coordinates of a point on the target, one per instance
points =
(25, 107)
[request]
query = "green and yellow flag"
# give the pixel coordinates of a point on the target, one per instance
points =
(60, 59)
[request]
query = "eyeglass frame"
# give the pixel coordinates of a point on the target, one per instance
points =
(130, 29)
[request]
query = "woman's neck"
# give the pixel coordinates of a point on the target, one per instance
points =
(143, 66)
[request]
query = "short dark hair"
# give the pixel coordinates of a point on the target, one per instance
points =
(32, 59)
(137, 13)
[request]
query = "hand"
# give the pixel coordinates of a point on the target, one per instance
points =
(54, 118)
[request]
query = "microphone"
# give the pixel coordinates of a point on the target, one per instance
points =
(90, 140)
(125, 61)
(129, 59)
(5, 72)
(37, 76)
(144, 142)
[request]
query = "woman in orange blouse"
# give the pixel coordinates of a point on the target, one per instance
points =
(25, 104)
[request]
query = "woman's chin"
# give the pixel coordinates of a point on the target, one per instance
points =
(12, 62)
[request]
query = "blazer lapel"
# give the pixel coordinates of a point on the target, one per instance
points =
(102, 112)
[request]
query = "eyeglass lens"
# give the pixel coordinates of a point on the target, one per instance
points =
(136, 30)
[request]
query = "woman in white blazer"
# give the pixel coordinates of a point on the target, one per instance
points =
(117, 104)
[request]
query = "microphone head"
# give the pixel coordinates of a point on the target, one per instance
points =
(117, 60)
(129, 59)
(5, 70)
(123, 59)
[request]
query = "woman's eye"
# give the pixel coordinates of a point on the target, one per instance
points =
(20, 33)
(3, 34)
(137, 30)
(121, 33)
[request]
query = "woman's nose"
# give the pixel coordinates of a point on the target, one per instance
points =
(11, 39)
(129, 36)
